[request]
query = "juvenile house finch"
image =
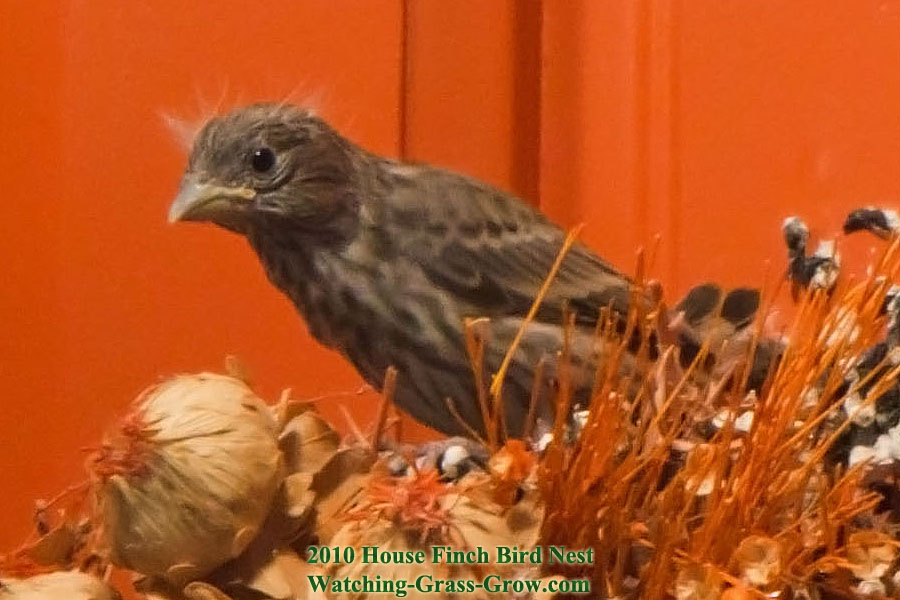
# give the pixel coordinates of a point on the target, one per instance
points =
(386, 260)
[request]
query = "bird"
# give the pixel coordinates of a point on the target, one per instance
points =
(386, 261)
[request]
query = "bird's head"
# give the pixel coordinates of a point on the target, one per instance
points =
(268, 163)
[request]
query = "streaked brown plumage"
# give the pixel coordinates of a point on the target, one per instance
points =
(385, 260)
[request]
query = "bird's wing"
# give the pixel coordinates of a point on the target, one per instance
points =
(492, 252)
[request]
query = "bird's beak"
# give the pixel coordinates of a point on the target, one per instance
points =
(199, 201)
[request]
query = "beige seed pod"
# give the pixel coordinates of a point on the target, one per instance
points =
(61, 585)
(414, 513)
(759, 560)
(870, 554)
(697, 582)
(186, 481)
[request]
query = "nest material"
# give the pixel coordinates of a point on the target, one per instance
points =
(417, 512)
(185, 483)
(688, 479)
(60, 585)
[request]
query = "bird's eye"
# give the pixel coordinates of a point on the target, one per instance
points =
(262, 160)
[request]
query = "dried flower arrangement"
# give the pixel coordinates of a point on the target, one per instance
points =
(691, 480)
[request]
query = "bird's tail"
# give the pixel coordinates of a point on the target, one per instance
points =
(719, 320)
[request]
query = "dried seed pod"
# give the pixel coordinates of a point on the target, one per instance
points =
(64, 547)
(697, 582)
(870, 554)
(759, 560)
(280, 575)
(187, 480)
(383, 534)
(61, 585)
(400, 516)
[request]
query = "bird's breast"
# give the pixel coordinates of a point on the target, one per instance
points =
(374, 311)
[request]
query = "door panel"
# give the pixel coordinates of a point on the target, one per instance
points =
(709, 122)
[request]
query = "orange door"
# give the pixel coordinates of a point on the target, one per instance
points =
(707, 122)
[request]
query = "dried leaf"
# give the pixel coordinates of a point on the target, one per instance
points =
(284, 576)
(235, 367)
(337, 485)
(299, 493)
(307, 441)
